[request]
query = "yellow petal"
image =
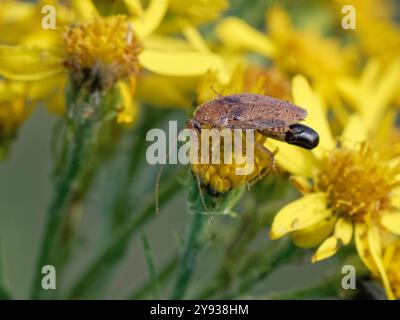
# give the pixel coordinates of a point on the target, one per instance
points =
(343, 231)
(300, 214)
(84, 10)
(134, 7)
(370, 73)
(312, 236)
(9, 90)
(391, 221)
(374, 243)
(293, 159)
(304, 97)
(354, 132)
(382, 93)
(129, 110)
(195, 38)
(237, 34)
(28, 63)
(178, 63)
(161, 42)
(327, 249)
(395, 198)
(361, 240)
(350, 91)
(151, 18)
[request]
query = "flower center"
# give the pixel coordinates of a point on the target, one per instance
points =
(223, 177)
(105, 46)
(358, 182)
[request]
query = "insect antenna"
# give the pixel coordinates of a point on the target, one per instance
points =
(203, 201)
(158, 179)
(216, 92)
(157, 186)
(197, 177)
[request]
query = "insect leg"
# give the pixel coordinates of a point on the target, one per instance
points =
(269, 153)
(216, 92)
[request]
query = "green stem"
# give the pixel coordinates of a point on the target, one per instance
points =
(58, 205)
(101, 267)
(163, 276)
(327, 288)
(189, 255)
(218, 205)
(278, 254)
(4, 293)
(121, 206)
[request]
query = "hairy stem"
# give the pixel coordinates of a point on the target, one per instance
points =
(60, 201)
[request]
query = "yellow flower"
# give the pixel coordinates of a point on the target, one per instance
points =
(173, 92)
(376, 28)
(24, 19)
(106, 50)
(349, 189)
(106, 45)
(294, 51)
(12, 111)
(223, 177)
(373, 92)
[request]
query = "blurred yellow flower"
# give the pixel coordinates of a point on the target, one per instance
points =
(373, 92)
(12, 112)
(172, 92)
(107, 49)
(294, 51)
(24, 19)
(349, 188)
(376, 28)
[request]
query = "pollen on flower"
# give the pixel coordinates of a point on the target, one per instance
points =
(107, 47)
(220, 178)
(358, 182)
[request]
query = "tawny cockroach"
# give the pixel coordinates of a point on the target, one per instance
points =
(277, 119)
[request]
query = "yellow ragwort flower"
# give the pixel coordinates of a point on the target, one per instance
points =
(373, 92)
(12, 112)
(106, 49)
(107, 46)
(294, 50)
(376, 28)
(349, 188)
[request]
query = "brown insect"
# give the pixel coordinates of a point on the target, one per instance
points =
(277, 119)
